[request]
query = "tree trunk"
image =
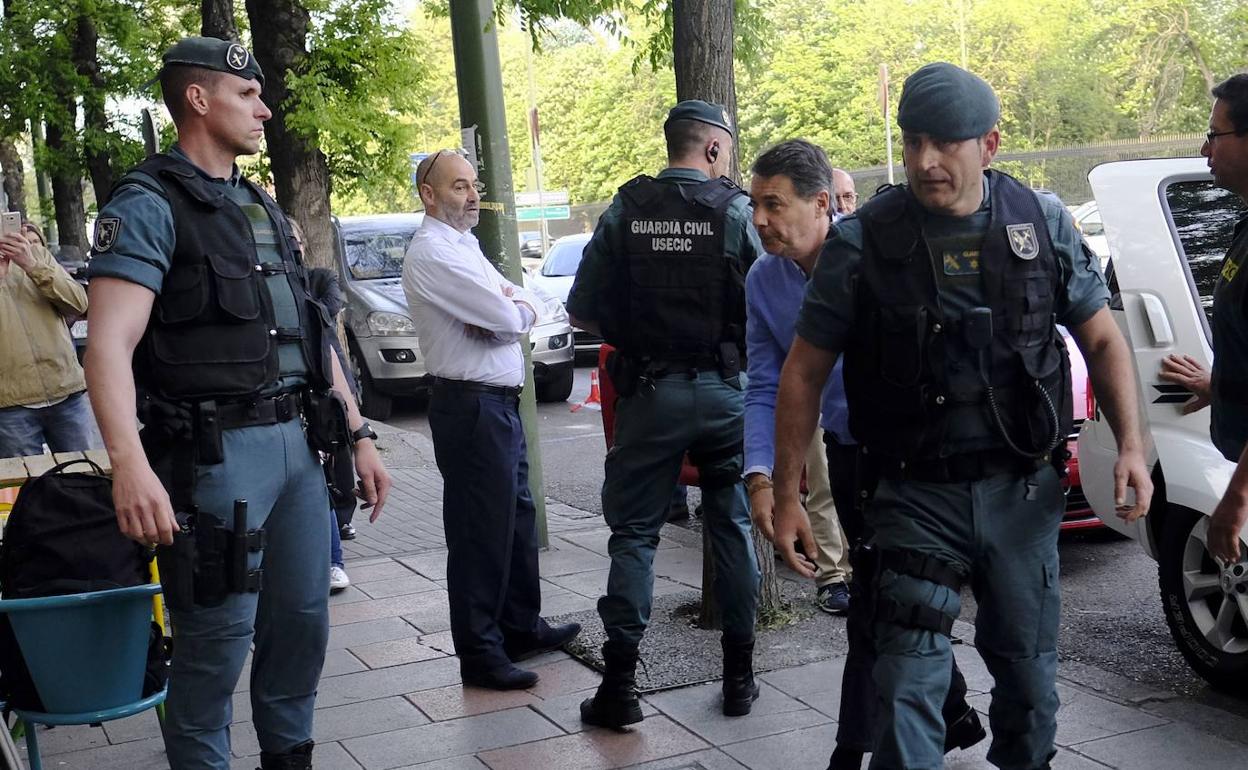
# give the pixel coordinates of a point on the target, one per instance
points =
(14, 181)
(95, 119)
(218, 19)
(71, 214)
(702, 52)
(300, 171)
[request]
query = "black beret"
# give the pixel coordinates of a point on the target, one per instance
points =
(703, 112)
(947, 102)
(214, 54)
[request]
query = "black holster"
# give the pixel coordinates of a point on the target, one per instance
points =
(208, 561)
(326, 414)
(625, 372)
(729, 360)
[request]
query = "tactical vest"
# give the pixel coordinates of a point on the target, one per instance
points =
(212, 333)
(676, 295)
(897, 379)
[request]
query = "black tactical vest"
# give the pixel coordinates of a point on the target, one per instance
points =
(896, 362)
(212, 333)
(676, 294)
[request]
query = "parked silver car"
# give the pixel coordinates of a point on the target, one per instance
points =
(381, 338)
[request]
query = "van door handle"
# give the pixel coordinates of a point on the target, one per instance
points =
(1158, 322)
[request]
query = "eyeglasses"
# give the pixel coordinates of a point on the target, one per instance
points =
(1209, 137)
(848, 197)
(478, 185)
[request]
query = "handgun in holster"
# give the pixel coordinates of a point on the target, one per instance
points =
(625, 372)
(208, 561)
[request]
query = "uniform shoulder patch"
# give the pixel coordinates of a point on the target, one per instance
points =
(1023, 241)
(106, 232)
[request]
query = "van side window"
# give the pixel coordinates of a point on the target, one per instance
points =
(1204, 217)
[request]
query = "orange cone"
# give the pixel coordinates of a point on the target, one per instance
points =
(594, 401)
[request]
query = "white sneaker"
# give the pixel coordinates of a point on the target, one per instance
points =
(338, 580)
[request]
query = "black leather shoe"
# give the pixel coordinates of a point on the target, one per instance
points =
(551, 639)
(298, 758)
(845, 758)
(505, 677)
(615, 704)
(965, 732)
(346, 532)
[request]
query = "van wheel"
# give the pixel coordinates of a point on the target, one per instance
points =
(1206, 606)
(373, 404)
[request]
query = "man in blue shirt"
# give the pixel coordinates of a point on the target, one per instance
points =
(791, 194)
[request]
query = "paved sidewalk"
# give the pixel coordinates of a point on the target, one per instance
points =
(391, 696)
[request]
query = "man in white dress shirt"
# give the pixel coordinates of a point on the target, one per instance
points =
(470, 321)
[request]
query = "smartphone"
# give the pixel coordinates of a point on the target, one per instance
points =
(11, 222)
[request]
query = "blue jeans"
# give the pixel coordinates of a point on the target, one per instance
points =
(273, 468)
(1003, 532)
(64, 427)
(335, 539)
(705, 417)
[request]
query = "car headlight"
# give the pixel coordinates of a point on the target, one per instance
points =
(553, 311)
(390, 324)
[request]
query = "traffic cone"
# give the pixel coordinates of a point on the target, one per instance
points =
(594, 401)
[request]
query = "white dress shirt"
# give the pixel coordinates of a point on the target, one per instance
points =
(450, 287)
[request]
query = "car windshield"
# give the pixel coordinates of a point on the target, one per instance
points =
(1204, 217)
(564, 258)
(377, 253)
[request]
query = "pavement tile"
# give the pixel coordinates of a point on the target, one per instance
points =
(593, 583)
(365, 718)
(562, 677)
(67, 739)
(457, 701)
(708, 759)
(563, 602)
(1207, 718)
(976, 758)
(597, 538)
(369, 631)
(142, 725)
(807, 747)
(570, 559)
(430, 565)
(1085, 717)
(1169, 746)
(700, 710)
(565, 710)
(395, 652)
(681, 565)
(1114, 686)
(599, 749)
(440, 641)
(453, 763)
(973, 668)
(410, 583)
(439, 740)
(384, 682)
(808, 679)
(435, 616)
(124, 756)
(331, 756)
(348, 595)
(410, 604)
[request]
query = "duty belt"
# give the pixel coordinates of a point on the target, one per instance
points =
(691, 364)
(262, 411)
(507, 391)
(972, 466)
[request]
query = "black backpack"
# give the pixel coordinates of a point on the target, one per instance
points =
(62, 538)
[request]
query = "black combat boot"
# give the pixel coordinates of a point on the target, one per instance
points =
(298, 758)
(740, 689)
(964, 732)
(615, 705)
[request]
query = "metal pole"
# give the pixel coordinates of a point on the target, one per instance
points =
(484, 129)
(535, 136)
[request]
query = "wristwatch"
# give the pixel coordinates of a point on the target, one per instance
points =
(363, 432)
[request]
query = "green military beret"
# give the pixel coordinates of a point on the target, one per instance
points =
(214, 54)
(947, 102)
(703, 112)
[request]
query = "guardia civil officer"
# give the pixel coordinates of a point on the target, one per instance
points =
(943, 295)
(662, 280)
(197, 280)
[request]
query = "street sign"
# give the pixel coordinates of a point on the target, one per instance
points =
(534, 213)
(548, 198)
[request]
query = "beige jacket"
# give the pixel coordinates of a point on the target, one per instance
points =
(37, 361)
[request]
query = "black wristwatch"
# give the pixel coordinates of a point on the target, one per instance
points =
(363, 432)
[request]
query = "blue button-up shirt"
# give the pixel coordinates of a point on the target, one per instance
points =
(773, 296)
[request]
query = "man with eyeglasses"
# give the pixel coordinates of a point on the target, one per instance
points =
(844, 196)
(1226, 388)
(470, 321)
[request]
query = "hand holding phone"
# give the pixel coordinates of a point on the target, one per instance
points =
(10, 222)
